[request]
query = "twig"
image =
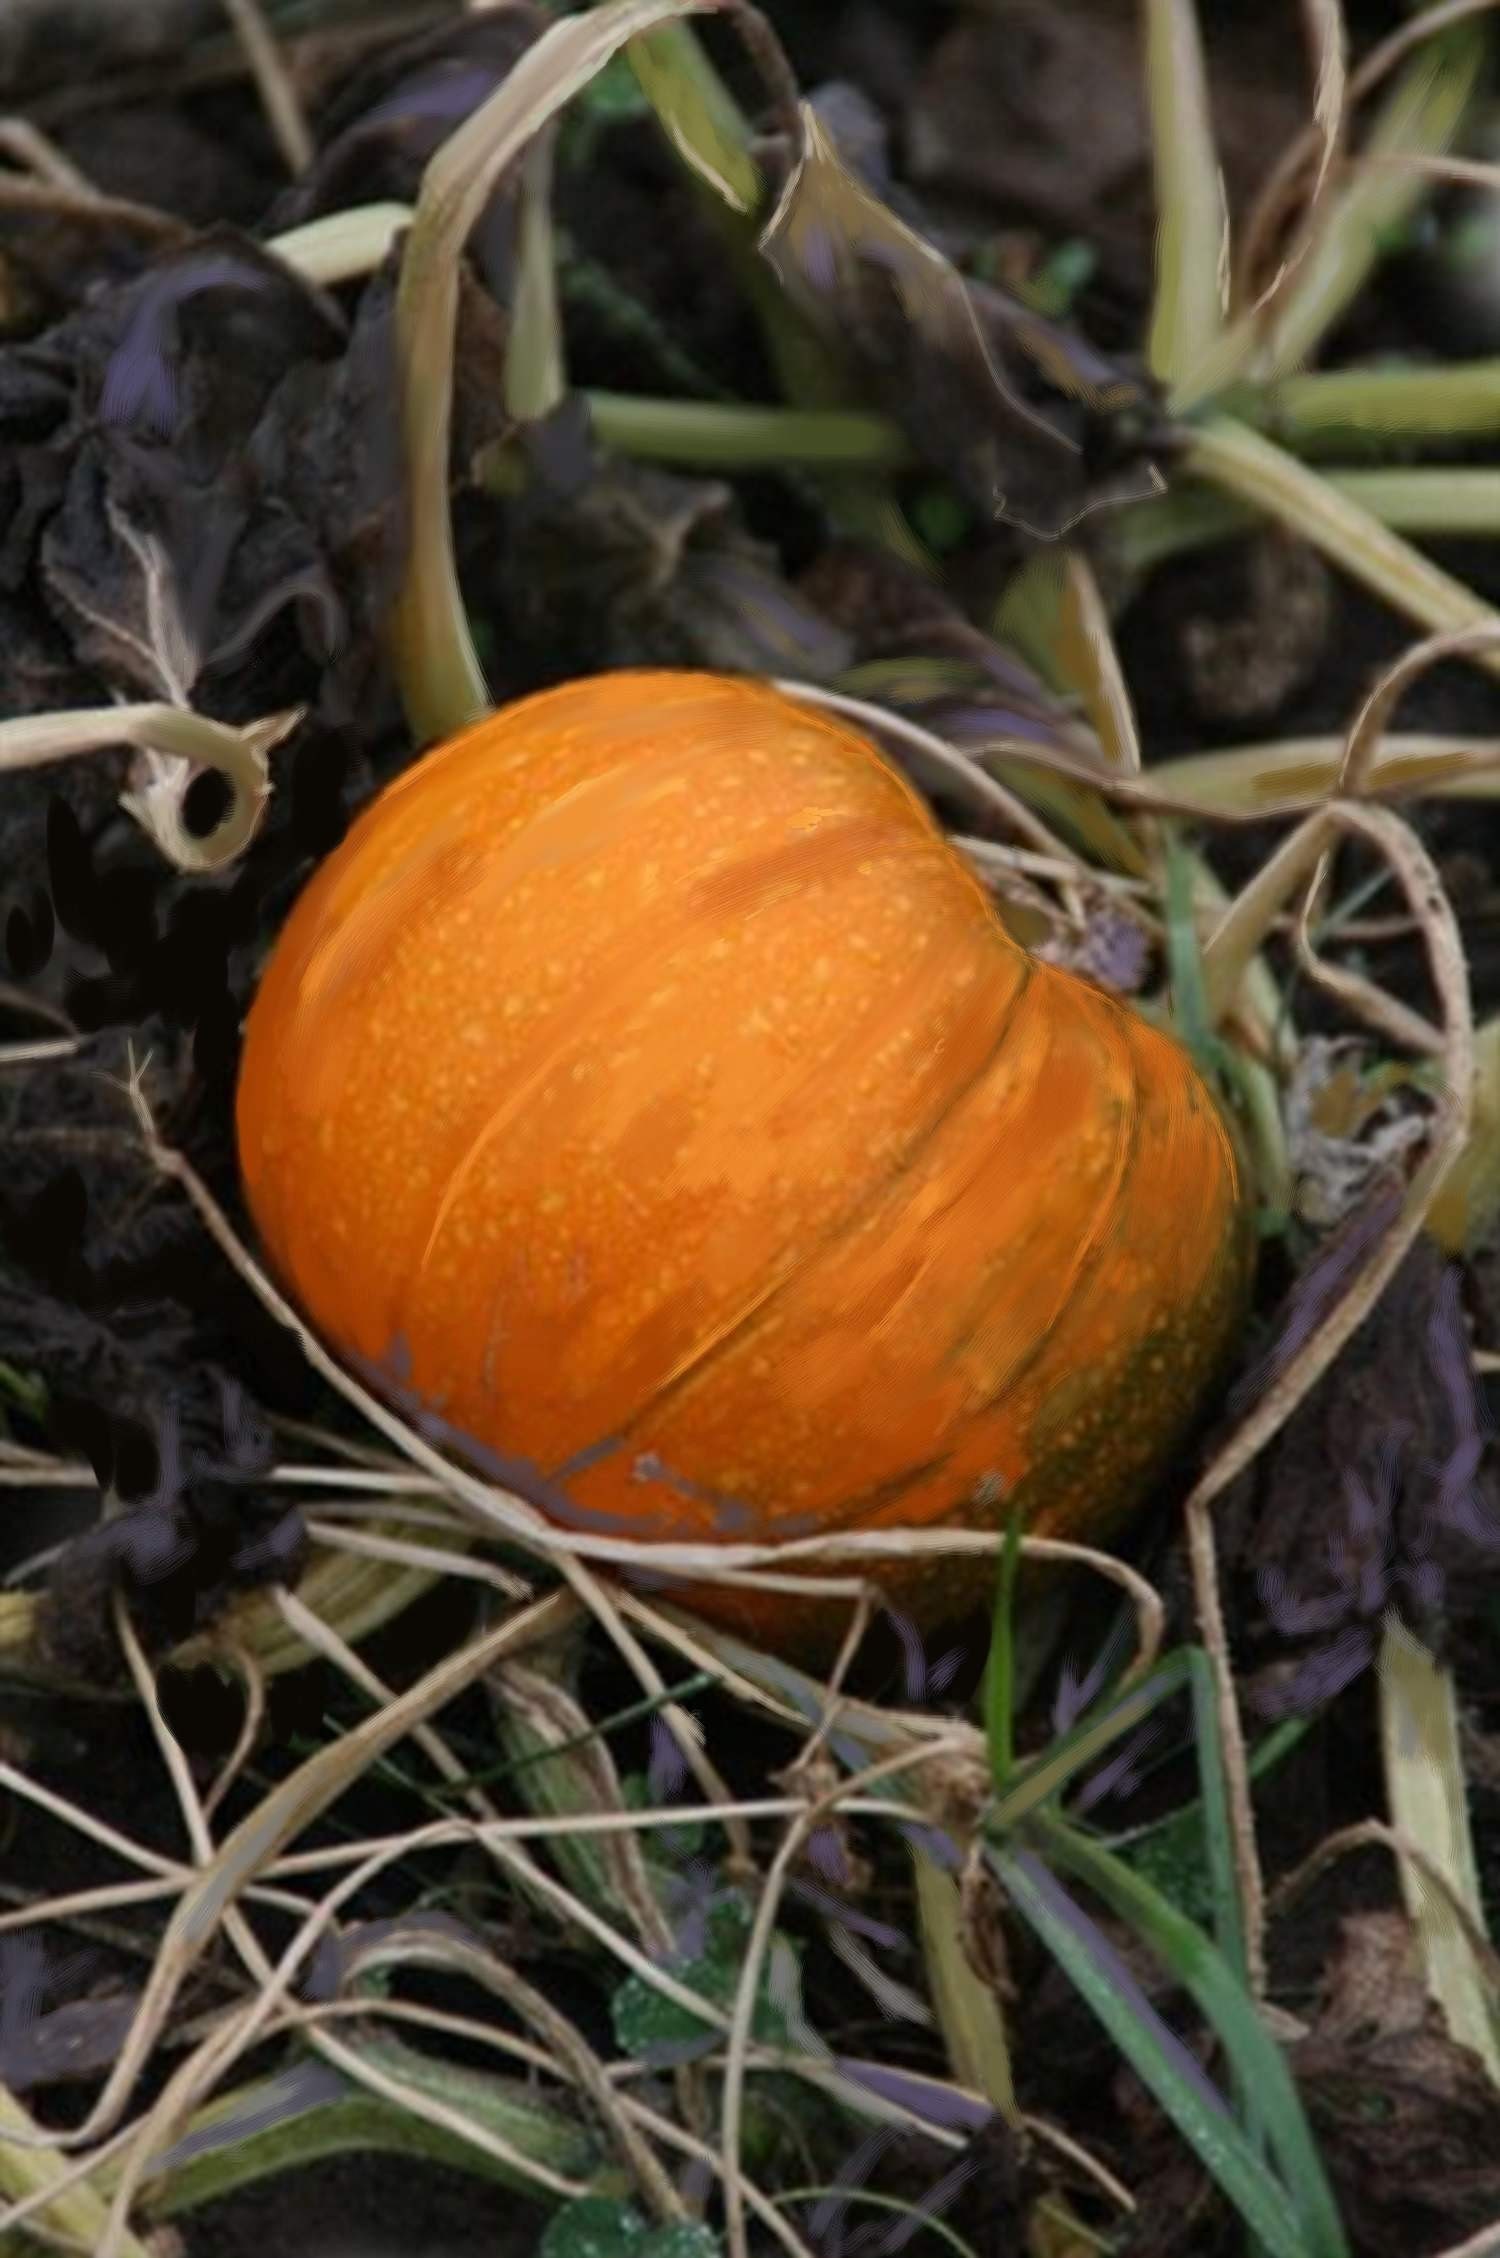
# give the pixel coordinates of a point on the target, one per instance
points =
(38, 154)
(273, 81)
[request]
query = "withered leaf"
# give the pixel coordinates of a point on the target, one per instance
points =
(389, 115)
(1381, 1489)
(883, 292)
(1407, 2120)
(634, 566)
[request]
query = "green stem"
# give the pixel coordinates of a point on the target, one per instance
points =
(698, 115)
(1237, 461)
(1436, 504)
(234, 2144)
(76, 2215)
(1187, 311)
(715, 436)
(432, 649)
(1362, 407)
(704, 124)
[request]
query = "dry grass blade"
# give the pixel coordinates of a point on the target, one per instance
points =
(1422, 117)
(1087, 653)
(569, 1768)
(341, 246)
(968, 2009)
(944, 761)
(36, 152)
(1328, 42)
(568, 2042)
(253, 1679)
(742, 2015)
(1314, 152)
(274, 82)
(1375, 1834)
(1426, 1790)
(282, 1814)
(1192, 216)
(1373, 719)
(1240, 462)
(88, 207)
(1246, 783)
(1292, 167)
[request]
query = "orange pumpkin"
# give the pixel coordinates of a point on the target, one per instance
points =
(648, 1087)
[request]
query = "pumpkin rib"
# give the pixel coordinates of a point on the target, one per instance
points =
(860, 1505)
(624, 971)
(1095, 1244)
(724, 1342)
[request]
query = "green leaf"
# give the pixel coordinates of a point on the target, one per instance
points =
(598, 2226)
(1173, 1858)
(645, 2019)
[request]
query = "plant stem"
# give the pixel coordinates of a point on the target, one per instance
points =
(1191, 220)
(1360, 407)
(271, 2127)
(723, 437)
(1455, 504)
(706, 127)
(698, 114)
(1237, 461)
(1295, 773)
(77, 2214)
(968, 2012)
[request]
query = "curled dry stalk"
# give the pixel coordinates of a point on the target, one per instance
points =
(1309, 151)
(172, 744)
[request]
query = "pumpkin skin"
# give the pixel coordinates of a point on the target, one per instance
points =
(647, 1089)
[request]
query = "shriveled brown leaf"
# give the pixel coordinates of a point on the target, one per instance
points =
(1408, 2123)
(1379, 1492)
(883, 293)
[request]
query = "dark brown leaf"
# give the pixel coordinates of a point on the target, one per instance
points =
(1381, 1489)
(1408, 2122)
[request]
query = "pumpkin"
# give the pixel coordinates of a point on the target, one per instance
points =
(647, 1090)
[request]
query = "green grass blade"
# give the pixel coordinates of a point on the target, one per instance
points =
(1036, 1782)
(1218, 1839)
(1157, 2056)
(1257, 2061)
(1000, 1672)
